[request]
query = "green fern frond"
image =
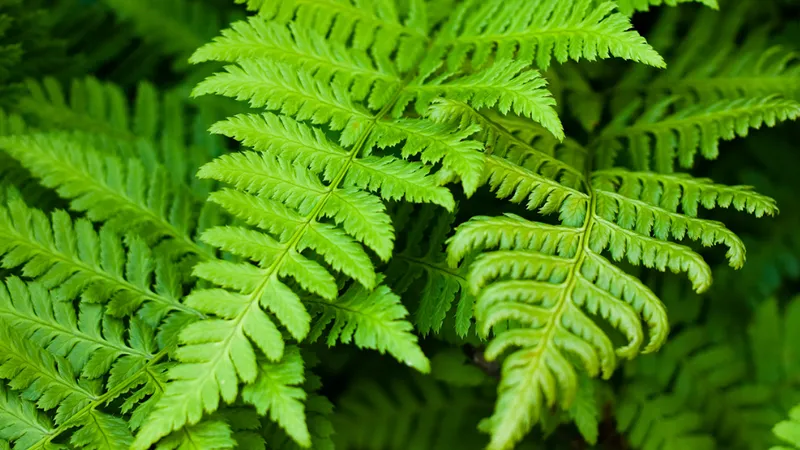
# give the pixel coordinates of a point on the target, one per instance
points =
(372, 319)
(74, 260)
(541, 32)
(90, 341)
(30, 369)
(107, 187)
(659, 136)
(788, 431)
(424, 232)
(152, 127)
(628, 7)
(547, 278)
(21, 422)
(419, 413)
(175, 26)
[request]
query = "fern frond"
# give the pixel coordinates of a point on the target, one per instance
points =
(74, 260)
(152, 127)
(50, 382)
(21, 422)
(109, 189)
(628, 7)
(91, 342)
(540, 32)
(547, 278)
(371, 319)
(658, 137)
(423, 254)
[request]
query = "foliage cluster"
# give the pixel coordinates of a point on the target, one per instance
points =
(385, 224)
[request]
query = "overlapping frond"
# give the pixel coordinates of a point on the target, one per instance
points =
(109, 188)
(540, 32)
(50, 382)
(74, 260)
(21, 422)
(725, 391)
(423, 235)
(373, 319)
(661, 135)
(552, 279)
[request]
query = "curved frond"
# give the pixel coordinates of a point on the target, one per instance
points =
(108, 188)
(555, 281)
(628, 7)
(74, 260)
(422, 255)
(788, 431)
(660, 135)
(371, 319)
(540, 32)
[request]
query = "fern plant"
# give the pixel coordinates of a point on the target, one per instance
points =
(461, 186)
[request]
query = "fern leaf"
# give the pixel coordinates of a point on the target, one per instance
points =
(29, 369)
(541, 31)
(90, 342)
(107, 188)
(371, 319)
(696, 128)
(73, 259)
(545, 277)
(270, 389)
(206, 434)
(22, 424)
(423, 255)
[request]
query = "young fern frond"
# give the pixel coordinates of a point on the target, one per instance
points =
(74, 260)
(109, 188)
(372, 319)
(91, 342)
(660, 135)
(21, 422)
(540, 32)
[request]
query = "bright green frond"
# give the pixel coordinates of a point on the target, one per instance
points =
(660, 135)
(21, 423)
(206, 434)
(371, 319)
(272, 386)
(90, 341)
(505, 86)
(541, 31)
(76, 261)
(303, 47)
(108, 188)
(554, 281)
(28, 368)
